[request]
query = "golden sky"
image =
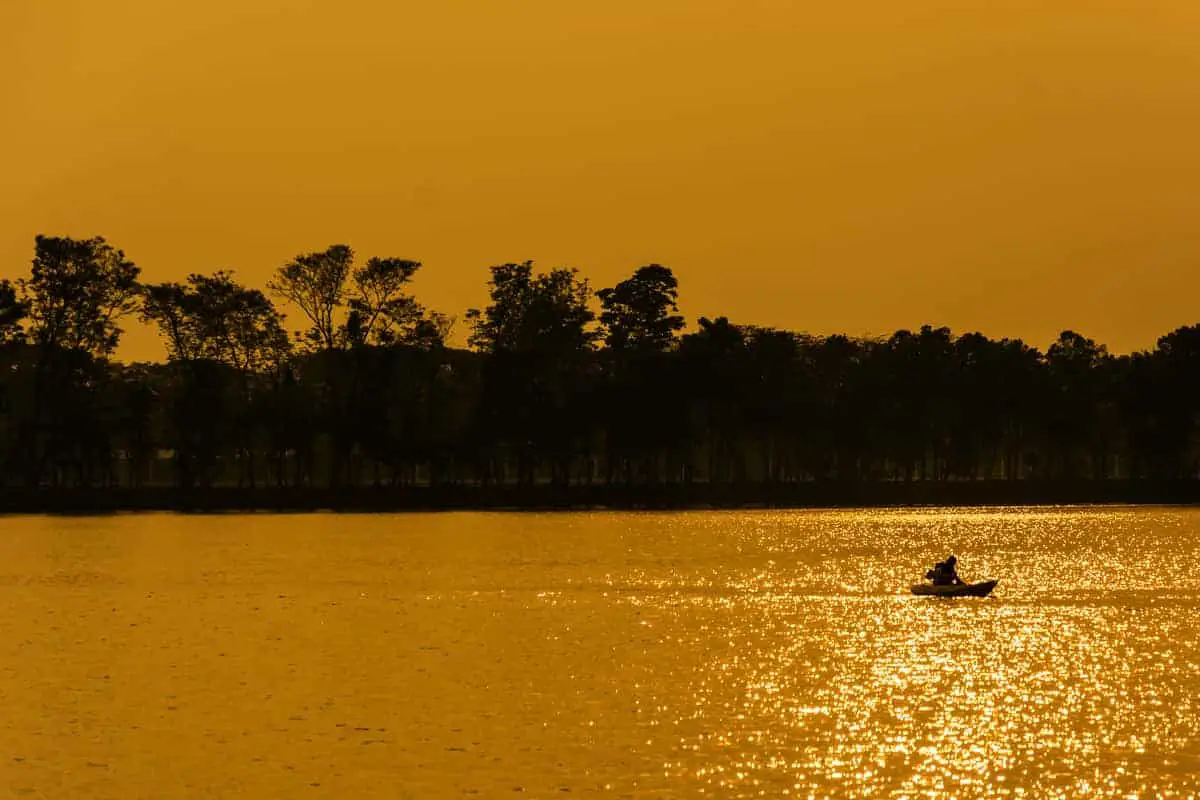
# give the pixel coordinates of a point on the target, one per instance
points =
(1011, 166)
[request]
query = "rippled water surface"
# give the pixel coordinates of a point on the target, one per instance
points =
(728, 654)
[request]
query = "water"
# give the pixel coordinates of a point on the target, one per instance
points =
(729, 654)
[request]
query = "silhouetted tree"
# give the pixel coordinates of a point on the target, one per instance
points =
(1019, 368)
(838, 425)
(77, 292)
(980, 406)
(213, 317)
(1160, 406)
(640, 408)
(715, 364)
(1179, 351)
(379, 310)
(229, 340)
(316, 284)
(12, 314)
(1076, 368)
(638, 313)
(350, 309)
(905, 413)
(537, 337)
(773, 395)
(543, 313)
(133, 402)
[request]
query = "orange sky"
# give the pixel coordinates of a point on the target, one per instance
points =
(1012, 166)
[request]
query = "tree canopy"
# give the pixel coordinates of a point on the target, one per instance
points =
(77, 292)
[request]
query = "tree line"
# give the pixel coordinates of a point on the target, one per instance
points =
(560, 385)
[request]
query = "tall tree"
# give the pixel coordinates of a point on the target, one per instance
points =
(381, 312)
(641, 418)
(639, 312)
(225, 335)
(215, 318)
(536, 335)
(316, 284)
(77, 291)
(1076, 369)
(76, 294)
(1162, 406)
(845, 408)
(716, 363)
(534, 313)
(347, 306)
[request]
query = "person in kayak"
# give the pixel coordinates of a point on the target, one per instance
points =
(945, 573)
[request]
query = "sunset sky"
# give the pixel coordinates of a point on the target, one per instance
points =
(1011, 166)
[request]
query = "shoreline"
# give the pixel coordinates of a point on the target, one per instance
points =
(546, 497)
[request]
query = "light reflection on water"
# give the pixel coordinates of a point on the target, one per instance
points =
(1076, 680)
(756, 654)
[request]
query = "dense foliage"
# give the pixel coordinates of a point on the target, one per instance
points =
(561, 384)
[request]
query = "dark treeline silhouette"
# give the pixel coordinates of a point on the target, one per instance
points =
(563, 392)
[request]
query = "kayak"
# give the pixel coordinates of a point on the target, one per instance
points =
(961, 590)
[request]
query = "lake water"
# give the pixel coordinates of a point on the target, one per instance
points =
(643, 655)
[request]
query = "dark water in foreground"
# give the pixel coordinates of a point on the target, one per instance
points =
(726, 654)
